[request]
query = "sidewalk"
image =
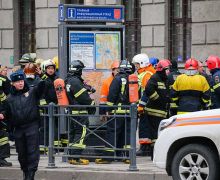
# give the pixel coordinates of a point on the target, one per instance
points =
(65, 171)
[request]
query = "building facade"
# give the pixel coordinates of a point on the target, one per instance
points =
(175, 29)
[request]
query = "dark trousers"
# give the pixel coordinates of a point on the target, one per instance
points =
(4, 145)
(153, 124)
(143, 126)
(27, 146)
(78, 133)
(118, 132)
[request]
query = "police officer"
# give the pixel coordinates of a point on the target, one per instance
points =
(145, 70)
(191, 91)
(155, 99)
(213, 64)
(118, 95)
(21, 109)
(78, 94)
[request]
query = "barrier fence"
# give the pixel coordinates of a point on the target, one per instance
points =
(59, 120)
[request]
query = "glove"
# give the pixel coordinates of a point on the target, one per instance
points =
(140, 110)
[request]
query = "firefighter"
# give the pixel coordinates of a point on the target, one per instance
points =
(213, 64)
(191, 91)
(118, 95)
(21, 109)
(105, 87)
(26, 58)
(30, 72)
(203, 73)
(145, 70)
(48, 73)
(6, 83)
(78, 94)
(155, 98)
(4, 143)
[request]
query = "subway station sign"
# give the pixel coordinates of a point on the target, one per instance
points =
(68, 12)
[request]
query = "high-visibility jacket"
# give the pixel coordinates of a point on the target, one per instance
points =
(105, 89)
(144, 75)
(78, 95)
(156, 93)
(190, 93)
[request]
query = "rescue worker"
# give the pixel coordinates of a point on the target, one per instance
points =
(4, 143)
(21, 109)
(203, 73)
(78, 94)
(154, 61)
(116, 128)
(105, 87)
(49, 76)
(145, 70)
(30, 72)
(191, 91)
(213, 64)
(6, 83)
(26, 58)
(155, 98)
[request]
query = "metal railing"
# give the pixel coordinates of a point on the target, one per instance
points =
(54, 113)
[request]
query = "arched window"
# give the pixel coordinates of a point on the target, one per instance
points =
(180, 30)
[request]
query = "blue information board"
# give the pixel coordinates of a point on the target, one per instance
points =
(91, 13)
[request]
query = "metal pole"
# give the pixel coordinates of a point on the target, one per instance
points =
(51, 159)
(133, 164)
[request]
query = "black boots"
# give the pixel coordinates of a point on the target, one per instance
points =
(4, 163)
(29, 175)
(145, 150)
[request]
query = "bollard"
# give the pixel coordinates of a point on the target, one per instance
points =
(51, 159)
(133, 163)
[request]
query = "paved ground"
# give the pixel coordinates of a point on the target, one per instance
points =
(65, 171)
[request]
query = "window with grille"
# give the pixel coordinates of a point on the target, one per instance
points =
(132, 27)
(27, 26)
(180, 30)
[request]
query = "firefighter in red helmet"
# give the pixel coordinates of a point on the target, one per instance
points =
(213, 64)
(191, 91)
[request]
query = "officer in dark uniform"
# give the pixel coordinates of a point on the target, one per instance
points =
(21, 109)
(118, 95)
(213, 64)
(78, 94)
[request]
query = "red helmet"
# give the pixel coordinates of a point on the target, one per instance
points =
(213, 62)
(191, 64)
(163, 64)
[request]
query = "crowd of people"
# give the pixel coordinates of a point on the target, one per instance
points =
(163, 92)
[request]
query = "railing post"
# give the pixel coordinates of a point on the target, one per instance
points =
(133, 163)
(51, 159)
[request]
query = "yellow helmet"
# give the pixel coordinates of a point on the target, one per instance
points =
(56, 62)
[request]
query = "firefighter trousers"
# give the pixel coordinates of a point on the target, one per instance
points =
(143, 126)
(153, 124)
(4, 145)
(27, 146)
(78, 132)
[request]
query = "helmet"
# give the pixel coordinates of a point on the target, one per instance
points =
(115, 64)
(191, 64)
(141, 59)
(28, 57)
(76, 67)
(213, 62)
(30, 69)
(126, 66)
(163, 64)
(46, 64)
(153, 61)
(56, 61)
(38, 62)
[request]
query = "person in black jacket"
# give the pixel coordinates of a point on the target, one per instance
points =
(78, 94)
(21, 109)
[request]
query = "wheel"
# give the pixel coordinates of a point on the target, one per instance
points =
(195, 162)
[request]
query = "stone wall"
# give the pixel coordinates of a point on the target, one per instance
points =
(205, 28)
(153, 27)
(6, 32)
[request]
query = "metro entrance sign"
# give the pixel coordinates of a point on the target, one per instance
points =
(91, 13)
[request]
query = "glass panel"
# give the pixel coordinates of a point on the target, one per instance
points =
(177, 8)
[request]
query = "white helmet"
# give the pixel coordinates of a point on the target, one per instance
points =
(46, 64)
(142, 59)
